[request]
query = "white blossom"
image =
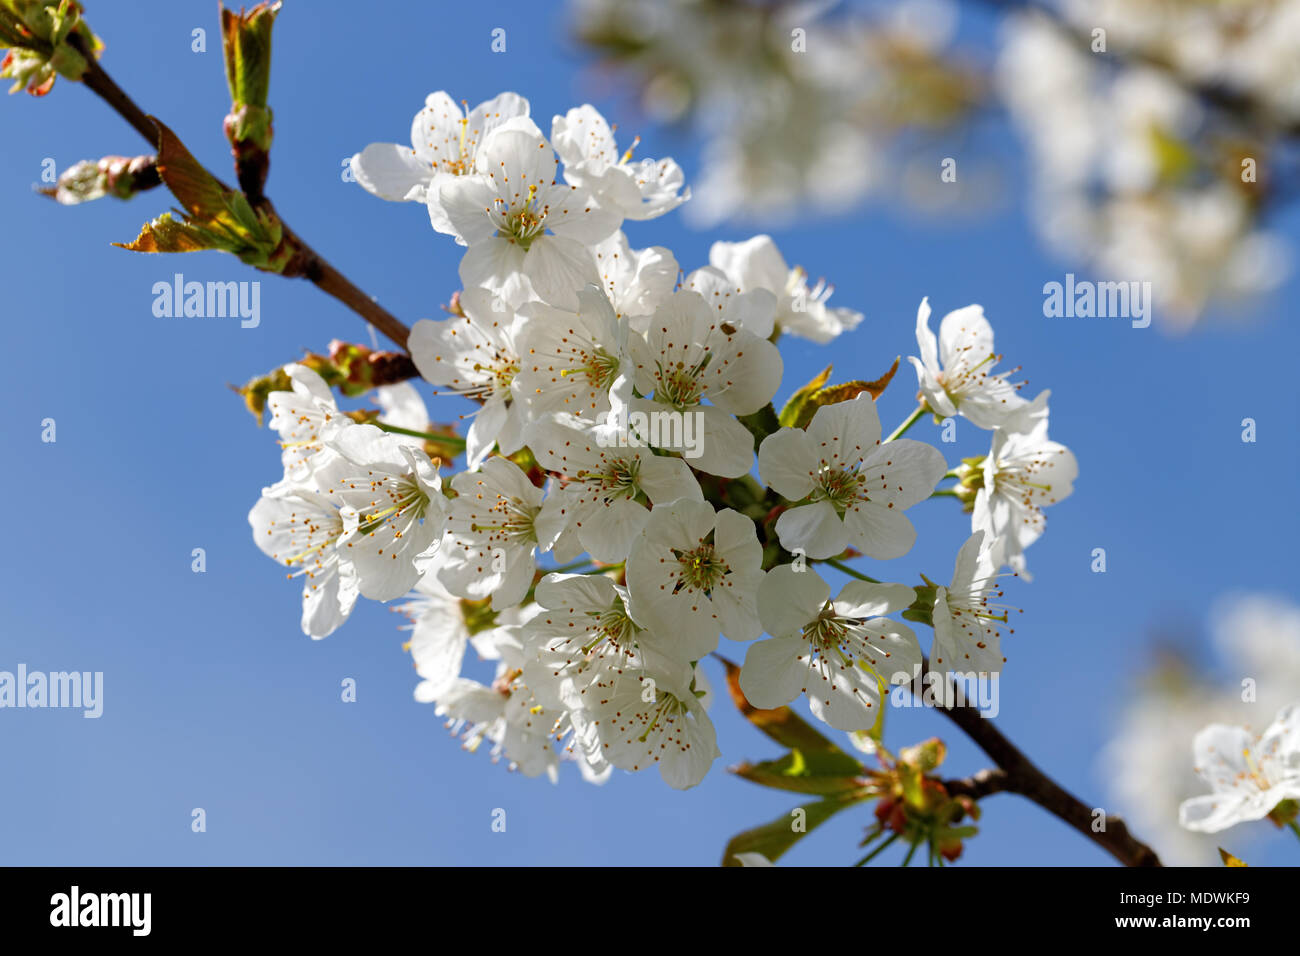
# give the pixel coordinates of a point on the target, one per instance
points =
(848, 488)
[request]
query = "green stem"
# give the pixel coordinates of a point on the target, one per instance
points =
(877, 851)
(454, 440)
(571, 566)
(841, 566)
(908, 422)
(911, 852)
(1295, 827)
(944, 493)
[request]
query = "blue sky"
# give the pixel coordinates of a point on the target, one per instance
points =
(213, 697)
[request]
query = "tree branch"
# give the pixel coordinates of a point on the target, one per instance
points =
(980, 785)
(307, 263)
(1020, 775)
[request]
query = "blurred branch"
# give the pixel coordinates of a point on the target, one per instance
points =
(1240, 106)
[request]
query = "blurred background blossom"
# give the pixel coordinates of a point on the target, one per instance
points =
(1160, 136)
(1148, 763)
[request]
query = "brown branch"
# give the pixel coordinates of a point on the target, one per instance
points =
(1023, 777)
(979, 785)
(306, 263)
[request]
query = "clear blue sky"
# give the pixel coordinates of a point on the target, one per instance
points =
(215, 699)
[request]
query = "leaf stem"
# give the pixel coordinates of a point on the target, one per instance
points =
(877, 851)
(911, 852)
(453, 440)
(908, 422)
(841, 566)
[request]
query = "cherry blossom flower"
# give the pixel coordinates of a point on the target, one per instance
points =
(442, 625)
(303, 418)
(688, 354)
(694, 573)
(641, 189)
(636, 281)
(1022, 473)
(955, 372)
(495, 527)
(754, 311)
(848, 486)
(301, 529)
(526, 233)
(583, 628)
(394, 509)
(758, 264)
(1249, 776)
(475, 355)
(967, 625)
(444, 145)
(504, 715)
(840, 653)
(640, 719)
(606, 482)
(571, 360)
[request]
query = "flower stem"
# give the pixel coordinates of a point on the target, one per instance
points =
(877, 851)
(571, 566)
(944, 493)
(911, 852)
(841, 566)
(453, 440)
(1295, 827)
(908, 422)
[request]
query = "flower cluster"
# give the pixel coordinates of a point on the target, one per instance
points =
(609, 526)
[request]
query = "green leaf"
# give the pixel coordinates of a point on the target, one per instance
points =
(215, 217)
(775, 838)
(790, 413)
(781, 723)
(761, 423)
(803, 405)
(823, 774)
(166, 234)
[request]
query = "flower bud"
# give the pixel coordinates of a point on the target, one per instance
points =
(45, 41)
(246, 45)
(118, 176)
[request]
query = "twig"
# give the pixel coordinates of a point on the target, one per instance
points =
(1023, 777)
(307, 263)
(978, 786)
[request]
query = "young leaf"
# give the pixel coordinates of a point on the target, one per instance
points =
(832, 395)
(781, 723)
(823, 774)
(773, 839)
(790, 413)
